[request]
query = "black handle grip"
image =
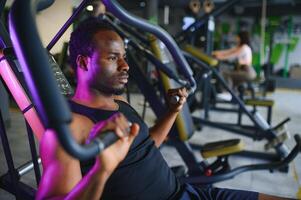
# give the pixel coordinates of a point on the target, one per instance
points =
(174, 99)
(108, 138)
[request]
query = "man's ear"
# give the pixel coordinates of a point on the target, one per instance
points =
(82, 62)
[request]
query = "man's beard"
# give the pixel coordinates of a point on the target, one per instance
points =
(110, 90)
(118, 91)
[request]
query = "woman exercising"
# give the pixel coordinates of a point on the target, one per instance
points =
(243, 71)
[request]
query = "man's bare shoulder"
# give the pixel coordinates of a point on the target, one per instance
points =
(80, 127)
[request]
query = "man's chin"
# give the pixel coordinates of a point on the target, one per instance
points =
(119, 91)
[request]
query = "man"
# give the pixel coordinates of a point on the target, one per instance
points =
(98, 55)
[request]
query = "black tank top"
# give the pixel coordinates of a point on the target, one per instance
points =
(143, 174)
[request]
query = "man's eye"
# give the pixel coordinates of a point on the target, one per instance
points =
(113, 58)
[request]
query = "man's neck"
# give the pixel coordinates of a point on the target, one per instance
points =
(95, 99)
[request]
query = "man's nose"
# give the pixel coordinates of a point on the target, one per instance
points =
(123, 65)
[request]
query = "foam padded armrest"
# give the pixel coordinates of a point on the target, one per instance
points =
(220, 148)
(259, 102)
(200, 55)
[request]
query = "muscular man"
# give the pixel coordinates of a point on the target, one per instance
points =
(98, 55)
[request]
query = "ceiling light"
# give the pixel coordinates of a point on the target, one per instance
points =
(89, 8)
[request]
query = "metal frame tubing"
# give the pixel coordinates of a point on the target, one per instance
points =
(43, 4)
(11, 180)
(146, 52)
(75, 14)
(210, 34)
(145, 87)
(27, 167)
(12, 173)
(231, 173)
(34, 154)
(269, 133)
(54, 111)
(4, 40)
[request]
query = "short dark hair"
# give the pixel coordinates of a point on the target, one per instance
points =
(81, 39)
(244, 38)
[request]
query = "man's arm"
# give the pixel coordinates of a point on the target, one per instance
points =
(161, 129)
(62, 177)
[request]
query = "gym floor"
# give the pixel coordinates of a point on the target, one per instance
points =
(276, 183)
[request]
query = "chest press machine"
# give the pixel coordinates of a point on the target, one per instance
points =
(184, 127)
(50, 110)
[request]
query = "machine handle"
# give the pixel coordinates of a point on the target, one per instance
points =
(50, 104)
